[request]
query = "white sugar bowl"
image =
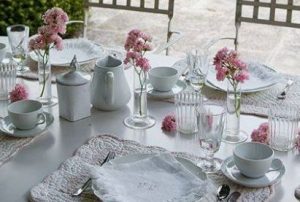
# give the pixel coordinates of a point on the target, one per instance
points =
(73, 90)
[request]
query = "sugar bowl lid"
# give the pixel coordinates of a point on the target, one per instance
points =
(73, 77)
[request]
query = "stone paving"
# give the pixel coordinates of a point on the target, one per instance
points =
(200, 21)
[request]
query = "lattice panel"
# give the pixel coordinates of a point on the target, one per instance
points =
(150, 6)
(272, 12)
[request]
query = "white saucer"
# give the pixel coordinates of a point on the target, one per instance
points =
(179, 86)
(8, 128)
(231, 172)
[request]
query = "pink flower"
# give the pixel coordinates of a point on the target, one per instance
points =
(228, 65)
(18, 93)
(136, 45)
(56, 18)
(169, 123)
(57, 40)
(37, 42)
(261, 134)
(143, 63)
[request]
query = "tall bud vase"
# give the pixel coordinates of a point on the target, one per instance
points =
(44, 74)
(140, 118)
(233, 102)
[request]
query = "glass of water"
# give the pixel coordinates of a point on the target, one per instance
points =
(211, 121)
(18, 40)
(198, 63)
(283, 127)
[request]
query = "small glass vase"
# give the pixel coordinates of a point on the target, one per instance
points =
(44, 75)
(233, 107)
(140, 118)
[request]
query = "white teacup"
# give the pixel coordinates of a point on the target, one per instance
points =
(2, 51)
(163, 78)
(26, 114)
(253, 159)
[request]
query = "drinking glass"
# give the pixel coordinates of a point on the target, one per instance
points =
(186, 103)
(283, 127)
(210, 119)
(7, 79)
(198, 63)
(18, 40)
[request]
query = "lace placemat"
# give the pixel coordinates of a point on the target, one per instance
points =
(258, 103)
(75, 171)
(9, 146)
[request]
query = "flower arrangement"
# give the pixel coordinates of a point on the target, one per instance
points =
(48, 36)
(228, 65)
(169, 123)
(136, 45)
(18, 93)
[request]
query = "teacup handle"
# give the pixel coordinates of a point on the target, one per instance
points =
(41, 119)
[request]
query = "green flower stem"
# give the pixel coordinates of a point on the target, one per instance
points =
(142, 82)
(45, 58)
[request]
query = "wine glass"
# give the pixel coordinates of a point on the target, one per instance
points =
(210, 120)
(198, 62)
(18, 40)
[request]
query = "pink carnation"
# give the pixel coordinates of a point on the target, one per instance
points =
(18, 93)
(228, 65)
(37, 42)
(261, 134)
(169, 123)
(56, 18)
(143, 63)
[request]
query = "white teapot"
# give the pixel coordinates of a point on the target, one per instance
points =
(109, 88)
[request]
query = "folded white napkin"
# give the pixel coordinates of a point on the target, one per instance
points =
(159, 178)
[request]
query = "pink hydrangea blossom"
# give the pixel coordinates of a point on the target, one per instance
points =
(169, 123)
(56, 18)
(228, 65)
(18, 93)
(261, 134)
(143, 63)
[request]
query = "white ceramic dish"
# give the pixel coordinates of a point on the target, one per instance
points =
(230, 170)
(179, 86)
(8, 128)
(261, 77)
(84, 50)
(163, 78)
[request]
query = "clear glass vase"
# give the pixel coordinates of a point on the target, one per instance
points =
(44, 75)
(233, 107)
(140, 118)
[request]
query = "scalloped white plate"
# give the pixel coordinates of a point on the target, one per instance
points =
(84, 50)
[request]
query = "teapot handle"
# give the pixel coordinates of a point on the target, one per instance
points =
(109, 88)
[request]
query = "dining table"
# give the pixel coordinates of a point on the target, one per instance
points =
(31, 164)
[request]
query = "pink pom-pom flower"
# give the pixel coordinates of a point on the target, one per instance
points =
(169, 123)
(261, 134)
(18, 93)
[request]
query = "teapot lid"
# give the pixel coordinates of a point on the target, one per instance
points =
(73, 77)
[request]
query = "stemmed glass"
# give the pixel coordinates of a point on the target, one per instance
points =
(18, 40)
(210, 120)
(198, 63)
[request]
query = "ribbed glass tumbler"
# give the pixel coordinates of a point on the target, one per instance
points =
(8, 73)
(283, 127)
(186, 104)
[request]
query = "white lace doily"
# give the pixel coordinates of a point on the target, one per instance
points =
(75, 171)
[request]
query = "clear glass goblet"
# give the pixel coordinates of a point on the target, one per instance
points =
(18, 40)
(198, 63)
(211, 122)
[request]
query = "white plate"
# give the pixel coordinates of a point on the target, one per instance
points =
(84, 50)
(231, 172)
(179, 86)
(261, 77)
(8, 128)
